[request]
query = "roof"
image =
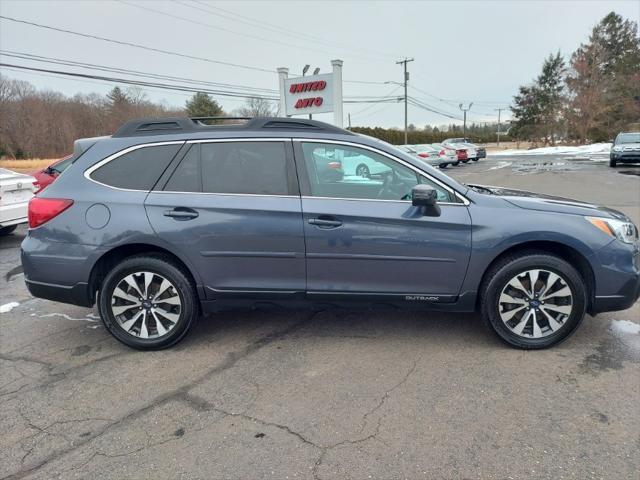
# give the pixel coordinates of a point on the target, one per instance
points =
(173, 125)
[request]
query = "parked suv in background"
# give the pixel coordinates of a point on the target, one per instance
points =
(170, 218)
(625, 149)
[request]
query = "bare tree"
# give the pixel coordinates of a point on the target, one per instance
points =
(257, 107)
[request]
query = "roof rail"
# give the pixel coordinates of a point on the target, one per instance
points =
(174, 125)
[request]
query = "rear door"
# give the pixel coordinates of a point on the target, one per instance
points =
(233, 208)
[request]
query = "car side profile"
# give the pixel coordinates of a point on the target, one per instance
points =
(171, 218)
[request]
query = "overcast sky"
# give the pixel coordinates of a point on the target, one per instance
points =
(464, 51)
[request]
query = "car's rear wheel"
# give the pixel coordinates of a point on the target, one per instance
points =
(148, 302)
(456, 163)
(533, 300)
(475, 159)
(7, 230)
(612, 163)
(443, 165)
(363, 171)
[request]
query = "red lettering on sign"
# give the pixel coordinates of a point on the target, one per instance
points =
(307, 86)
(308, 102)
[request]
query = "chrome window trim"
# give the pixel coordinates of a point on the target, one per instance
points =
(308, 197)
(113, 156)
(451, 190)
(171, 192)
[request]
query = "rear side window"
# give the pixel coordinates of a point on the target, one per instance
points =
(138, 169)
(233, 167)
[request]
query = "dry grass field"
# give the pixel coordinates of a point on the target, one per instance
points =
(26, 165)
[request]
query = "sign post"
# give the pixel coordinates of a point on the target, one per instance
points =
(307, 95)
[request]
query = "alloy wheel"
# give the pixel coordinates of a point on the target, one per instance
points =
(535, 303)
(146, 305)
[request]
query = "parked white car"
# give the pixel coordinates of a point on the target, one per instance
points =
(363, 166)
(16, 189)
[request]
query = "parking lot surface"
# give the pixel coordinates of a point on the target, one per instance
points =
(326, 394)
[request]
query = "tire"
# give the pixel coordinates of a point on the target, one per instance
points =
(465, 161)
(475, 159)
(443, 165)
(178, 302)
(612, 162)
(456, 163)
(556, 314)
(363, 171)
(7, 230)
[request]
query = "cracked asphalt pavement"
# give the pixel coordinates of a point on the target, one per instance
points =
(326, 394)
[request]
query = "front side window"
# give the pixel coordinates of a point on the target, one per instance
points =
(139, 169)
(232, 167)
(340, 171)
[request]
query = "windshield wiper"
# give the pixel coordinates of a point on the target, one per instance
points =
(480, 189)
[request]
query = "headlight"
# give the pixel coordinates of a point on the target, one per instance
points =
(624, 231)
(617, 148)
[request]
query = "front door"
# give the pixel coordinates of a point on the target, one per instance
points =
(364, 237)
(233, 208)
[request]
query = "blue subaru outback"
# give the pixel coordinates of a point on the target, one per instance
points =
(171, 218)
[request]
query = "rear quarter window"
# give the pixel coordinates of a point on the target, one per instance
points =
(138, 169)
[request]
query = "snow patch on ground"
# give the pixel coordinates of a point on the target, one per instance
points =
(501, 165)
(586, 150)
(7, 307)
(89, 318)
(625, 326)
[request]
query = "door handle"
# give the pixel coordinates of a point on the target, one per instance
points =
(328, 222)
(181, 213)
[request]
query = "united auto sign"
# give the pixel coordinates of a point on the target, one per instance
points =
(312, 94)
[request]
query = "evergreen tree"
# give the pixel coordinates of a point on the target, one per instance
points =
(604, 80)
(538, 108)
(202, 105)
(117, 98)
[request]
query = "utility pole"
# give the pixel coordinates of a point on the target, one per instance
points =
(499, 110)
(465, 110)
(349, 121)
(406, 79)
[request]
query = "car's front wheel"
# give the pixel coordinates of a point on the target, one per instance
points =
(612, 162)
(533, 299)
(148, 302)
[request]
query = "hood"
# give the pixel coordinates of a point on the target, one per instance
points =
(550, 203)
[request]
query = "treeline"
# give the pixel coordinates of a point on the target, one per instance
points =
(590, 98)
(44, 124)
(479, 133)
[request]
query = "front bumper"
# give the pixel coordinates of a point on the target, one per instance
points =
(617, 278)
(626, 157)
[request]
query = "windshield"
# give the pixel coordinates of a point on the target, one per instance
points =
(628, 138)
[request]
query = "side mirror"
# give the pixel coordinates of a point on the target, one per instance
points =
(425, 197)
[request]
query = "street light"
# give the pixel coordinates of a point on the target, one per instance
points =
(316, 71)
(305, 70)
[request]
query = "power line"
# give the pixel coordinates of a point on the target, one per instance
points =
(92, 66)
(223, 93)
(223, 29)
(268, 26)
(135, 45)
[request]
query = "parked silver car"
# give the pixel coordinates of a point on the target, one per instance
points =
(625, 149)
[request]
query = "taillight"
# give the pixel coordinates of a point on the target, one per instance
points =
(423, 155)
(442, 152)
(334, 165)
(41, 210)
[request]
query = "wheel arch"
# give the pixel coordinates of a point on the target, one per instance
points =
(121, 252)
(568, 253)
